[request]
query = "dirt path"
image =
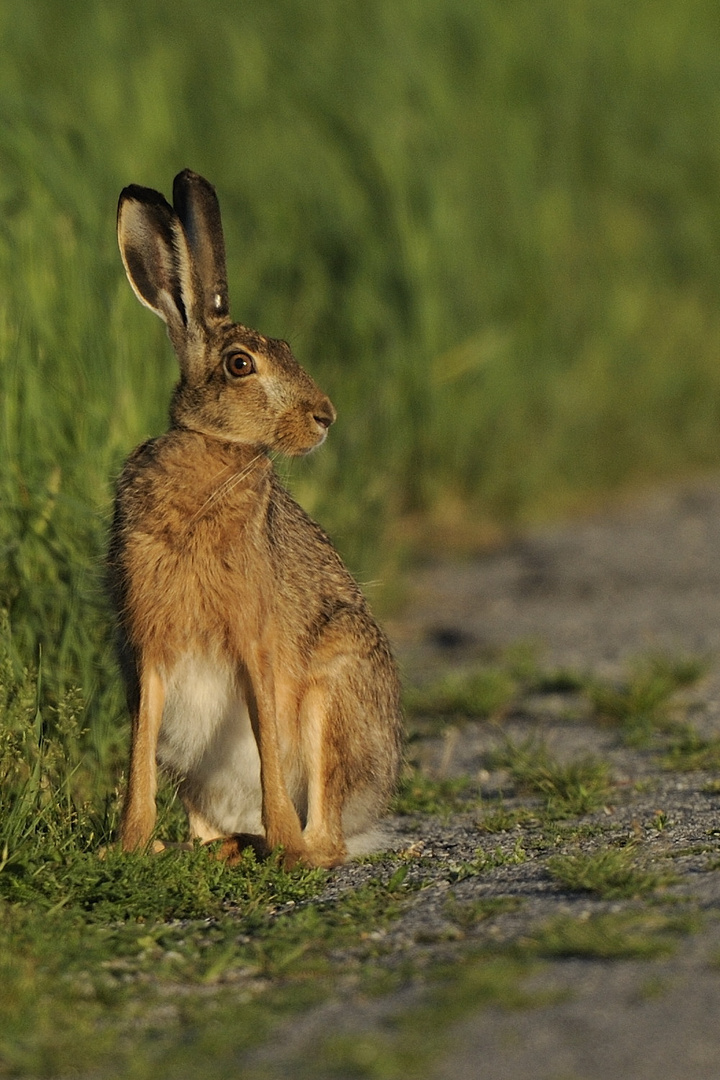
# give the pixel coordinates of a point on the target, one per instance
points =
(591, 595)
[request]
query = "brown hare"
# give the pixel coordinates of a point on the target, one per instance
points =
(255, 673)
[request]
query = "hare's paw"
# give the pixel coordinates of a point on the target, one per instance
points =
(232, 848)
(323, 850)
(136, 831)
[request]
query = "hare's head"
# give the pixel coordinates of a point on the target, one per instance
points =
(234, 384)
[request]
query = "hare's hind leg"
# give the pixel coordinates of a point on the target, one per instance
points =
(345, 758)
(139, 810)
(350, 725)
(327, 784)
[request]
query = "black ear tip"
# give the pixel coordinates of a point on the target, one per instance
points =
(188, 180)
(130, 193)
(186, 176)
(145, 195)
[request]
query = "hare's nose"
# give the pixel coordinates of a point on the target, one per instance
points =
(325, 414)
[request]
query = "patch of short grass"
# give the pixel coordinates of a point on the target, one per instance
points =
(454, 870)
(467, 914)
(499, 856)
(611, 873)
(568, 789)
(501, 819)
(123, 999)
(479, 693)
(489, 690)
(557, 681)
(176, 884)
(653, 988)
(690, 752)
(419, 793)
(643, 706)
(610, 935)
(77, 993)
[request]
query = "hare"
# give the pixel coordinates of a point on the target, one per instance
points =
(255, 673)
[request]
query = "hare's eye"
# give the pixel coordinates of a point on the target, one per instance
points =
(238, 363)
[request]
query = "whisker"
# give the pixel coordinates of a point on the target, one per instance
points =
(224, 489)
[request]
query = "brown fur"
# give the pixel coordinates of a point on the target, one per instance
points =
(239, 625)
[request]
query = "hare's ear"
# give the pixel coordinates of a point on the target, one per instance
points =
(157, 260)
(197, 206)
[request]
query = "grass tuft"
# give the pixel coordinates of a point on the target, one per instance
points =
(501, 819)
(478, 694)
(689, 752)
(612, 873)
(567, 789)
(611, 935)
(421, 794)
(470, 913)
(643, 706)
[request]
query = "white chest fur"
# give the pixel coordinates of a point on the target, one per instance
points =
(207, 740)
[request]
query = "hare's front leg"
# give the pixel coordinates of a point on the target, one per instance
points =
(139, 810)
(279, 816)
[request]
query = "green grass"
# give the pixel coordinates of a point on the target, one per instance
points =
(644, 705)
(568, 789)
(627, 934)
(421, 794)
(502, 819)
(479, 693)
(611, 873)
(689, 751)
(81, 989)
(472, 912)
(484, 690)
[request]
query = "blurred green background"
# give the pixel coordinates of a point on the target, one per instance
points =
(490, 230)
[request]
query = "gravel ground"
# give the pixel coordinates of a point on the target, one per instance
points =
(592, 595)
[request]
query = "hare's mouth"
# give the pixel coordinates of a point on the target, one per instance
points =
(320, 438)
(297, 434)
